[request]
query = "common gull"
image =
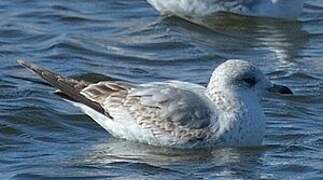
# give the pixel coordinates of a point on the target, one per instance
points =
(173, 113)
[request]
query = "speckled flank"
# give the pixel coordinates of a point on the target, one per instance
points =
(183, 123)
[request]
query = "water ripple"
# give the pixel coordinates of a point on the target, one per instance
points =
(43, 137)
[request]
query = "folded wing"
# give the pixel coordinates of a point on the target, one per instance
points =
(177, 111)
(164, 108)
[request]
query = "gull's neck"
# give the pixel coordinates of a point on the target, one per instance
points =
(241, 115)
(227, 99)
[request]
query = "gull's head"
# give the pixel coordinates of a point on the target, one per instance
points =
(242, 76)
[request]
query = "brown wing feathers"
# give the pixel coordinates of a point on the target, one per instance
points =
(69, 87)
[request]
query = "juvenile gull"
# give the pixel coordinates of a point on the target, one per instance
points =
(286, 9)
(174, 113)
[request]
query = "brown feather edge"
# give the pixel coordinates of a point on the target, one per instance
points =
(68, 91)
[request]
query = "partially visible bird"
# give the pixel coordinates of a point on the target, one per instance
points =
(284, 9)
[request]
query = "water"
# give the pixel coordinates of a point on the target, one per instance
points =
(43, 137)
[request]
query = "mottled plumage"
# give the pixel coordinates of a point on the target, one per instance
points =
(173, 113)
(161, 107)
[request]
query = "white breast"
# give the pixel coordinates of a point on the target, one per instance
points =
(242, 121)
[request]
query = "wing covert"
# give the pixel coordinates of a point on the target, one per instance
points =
(167, 109)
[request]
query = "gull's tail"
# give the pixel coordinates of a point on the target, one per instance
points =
(69, 88)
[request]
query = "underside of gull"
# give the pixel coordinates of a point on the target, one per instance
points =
(285, 9)
(173, 113)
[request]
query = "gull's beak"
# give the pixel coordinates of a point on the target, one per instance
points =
(280, 89)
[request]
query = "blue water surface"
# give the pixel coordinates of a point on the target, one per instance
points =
(43, 137)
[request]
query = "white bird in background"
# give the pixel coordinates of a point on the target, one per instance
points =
(285, 9)
(173, 113)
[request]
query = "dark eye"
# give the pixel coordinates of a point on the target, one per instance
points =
(250, 81)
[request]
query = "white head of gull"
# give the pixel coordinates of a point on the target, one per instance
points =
(174, 113)
(285, 9)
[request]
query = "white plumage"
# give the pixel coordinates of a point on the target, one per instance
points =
(285, 9)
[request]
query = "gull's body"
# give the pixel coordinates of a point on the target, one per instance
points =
(210, 123)
(285, 9)
(173, 113)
